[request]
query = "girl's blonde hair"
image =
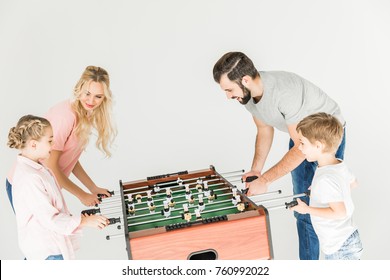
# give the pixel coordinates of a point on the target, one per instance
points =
(29, 127)
(324, 128)
(100, 119)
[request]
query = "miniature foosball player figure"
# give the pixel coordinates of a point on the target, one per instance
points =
(152, 208)
(168, 193)
(149, 198)
(197, 214)
(131, 210)
(138, 197)
(211, 196)
(186, 215)
(187, 192)
(130, 202)
(167, 210)
(241, 206)
(201, 205)
(179, 182)
(171, 203)
(199, 185)
(191, 200)
(156, 188)
(235, 197)
(206, 190)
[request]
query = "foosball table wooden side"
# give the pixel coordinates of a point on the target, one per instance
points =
(240, 239)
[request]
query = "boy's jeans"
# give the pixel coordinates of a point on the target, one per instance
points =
(350, 250)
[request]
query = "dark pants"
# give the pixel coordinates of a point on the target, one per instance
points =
(302, 176)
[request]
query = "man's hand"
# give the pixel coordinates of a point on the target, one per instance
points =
(250, 174)
(257, 186)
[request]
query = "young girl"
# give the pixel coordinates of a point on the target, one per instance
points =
(46, 229)
(72, 122)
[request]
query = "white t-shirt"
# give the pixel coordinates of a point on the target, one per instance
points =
(331, 183)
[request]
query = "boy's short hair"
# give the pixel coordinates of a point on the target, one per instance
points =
(322, 127)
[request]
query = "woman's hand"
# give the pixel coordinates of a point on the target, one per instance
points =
(97, 190)
(89, 199)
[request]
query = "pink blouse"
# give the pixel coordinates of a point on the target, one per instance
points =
(45, 226)
(63, 122)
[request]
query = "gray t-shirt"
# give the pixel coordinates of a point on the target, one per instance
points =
(288, 98)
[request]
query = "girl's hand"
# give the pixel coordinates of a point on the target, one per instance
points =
(94, 221)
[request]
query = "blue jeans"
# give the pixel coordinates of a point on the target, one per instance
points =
(55, 257)
(302, 176)
(350, 250)
(9, 192)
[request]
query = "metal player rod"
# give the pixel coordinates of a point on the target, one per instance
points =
(105, 210)
(231, 172)
(235, 181)
(185, 201)
(177, 217)
(114, 197)
(111, 202)
(167, 183)
(111, 207)
(214, 185)
(129, 191)
(119, 212)
(231, 176)
(191, 179)
(175, 186)
(195, 178)
(280, 198)
(176, 209)
(113, 236)
(276, 207)
(180, 196)
(264, 194)
(195, 183)
(135, 193)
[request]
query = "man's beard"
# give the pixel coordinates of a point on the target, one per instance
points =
(247, 96)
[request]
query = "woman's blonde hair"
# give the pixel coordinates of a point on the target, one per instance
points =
(324, 128)
(29, 127)
(100, 119)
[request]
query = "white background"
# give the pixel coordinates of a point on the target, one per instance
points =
(172, 116)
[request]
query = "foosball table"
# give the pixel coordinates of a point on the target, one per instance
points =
(192, 215)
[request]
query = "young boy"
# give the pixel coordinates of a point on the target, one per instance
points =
(331, 205)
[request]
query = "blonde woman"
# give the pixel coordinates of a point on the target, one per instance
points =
(46, 229)
(73, 122)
